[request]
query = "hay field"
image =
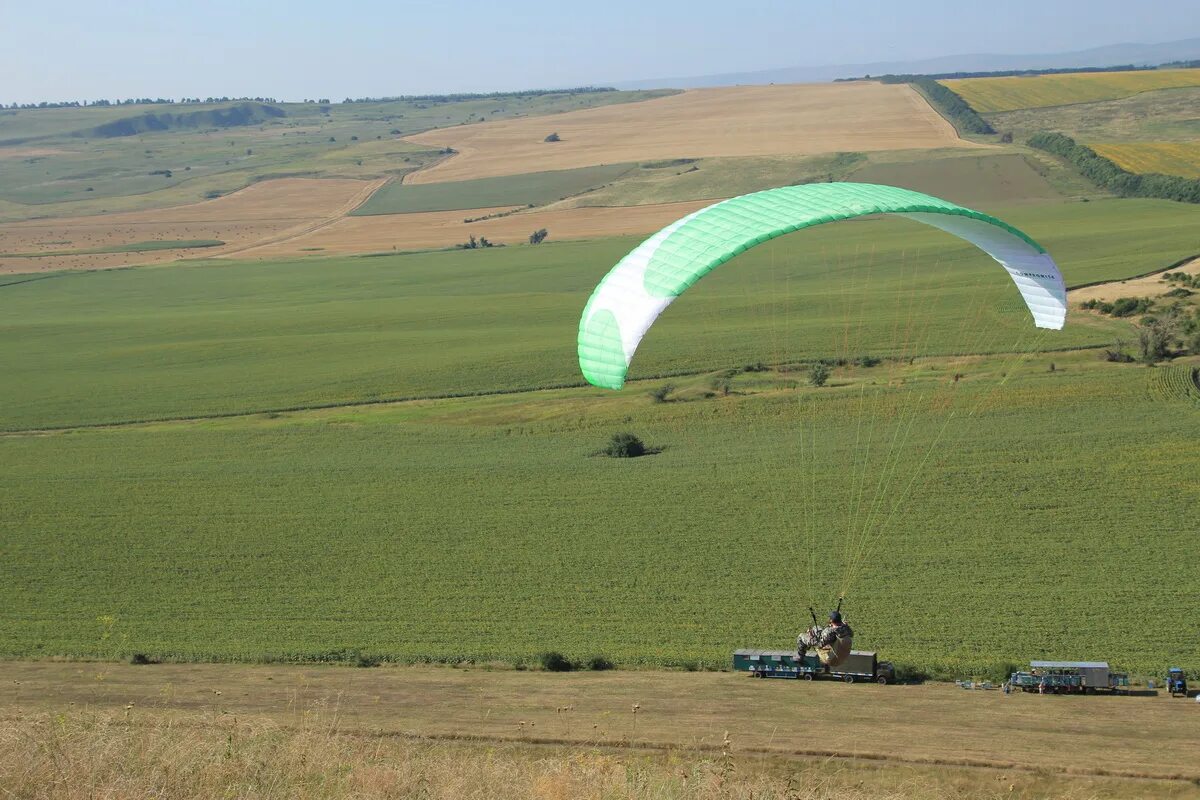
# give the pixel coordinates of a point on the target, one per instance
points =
(739, 121)
(200, 730)
(262, 211)
(440, 229)
(988, 95)
(1167, 158)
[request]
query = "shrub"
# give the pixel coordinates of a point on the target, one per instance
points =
(961, 115)
(553, 661)
(142, 659)
(1154, 343)
(554, 137)
(660, 394)
(1128, 306)
(625, 445)
(538, 236)
(867, 361)
(599, 664)
(818, 375)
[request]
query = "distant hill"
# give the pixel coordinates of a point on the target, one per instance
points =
(231, 117)
(1139, 54)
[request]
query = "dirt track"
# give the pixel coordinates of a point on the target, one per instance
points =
(738, 121)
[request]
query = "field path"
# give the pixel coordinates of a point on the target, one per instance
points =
(791, 119)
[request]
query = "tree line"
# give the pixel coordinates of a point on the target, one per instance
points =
(1106, 174)
(949, 103)
(140, 101)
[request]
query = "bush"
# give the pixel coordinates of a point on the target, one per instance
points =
(538, 236)
(599, 664)
(867, 361)
(142, 659)
(553, 661)
(1154, 341)
(625, 445)
(661, 394)
(554, 137)
(1128, 306)
(819, 374)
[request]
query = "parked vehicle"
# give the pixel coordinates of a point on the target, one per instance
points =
(1070, 677)
(861, 665)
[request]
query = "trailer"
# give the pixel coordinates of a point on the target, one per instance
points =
(860, 665)
(1070, 677)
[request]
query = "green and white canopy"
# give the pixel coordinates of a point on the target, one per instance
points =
(643, 283)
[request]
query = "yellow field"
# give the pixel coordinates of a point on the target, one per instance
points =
(738, 121)
(1167, 158)
(1008, 94)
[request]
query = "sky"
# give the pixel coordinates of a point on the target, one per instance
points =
(81, 49)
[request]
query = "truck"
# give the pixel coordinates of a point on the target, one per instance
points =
(1070, 677)
(860, 665)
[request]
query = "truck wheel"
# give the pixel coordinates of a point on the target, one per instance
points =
(882, 680)
(808, 676)
(848, 678)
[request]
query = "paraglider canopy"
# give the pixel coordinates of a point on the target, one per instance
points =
(643, 283)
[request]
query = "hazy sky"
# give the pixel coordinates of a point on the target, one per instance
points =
(83, 49)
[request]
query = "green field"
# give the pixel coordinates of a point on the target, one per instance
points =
(1042, 526)
(358, 140)
(979, 510)
(218, 337)
(1162, 116)
(533, 188)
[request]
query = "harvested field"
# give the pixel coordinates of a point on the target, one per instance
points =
(1149, 286)
(739, 121)
(903, 741)
(436, 229)
(1167, 158)
(259, 212)
(987, 95)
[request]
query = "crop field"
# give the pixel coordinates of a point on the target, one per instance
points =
(1167, 158)
(50, 170)
(1162, 116)
(423, 531)
(987, 95)
(255, 214)
(534, 188)
(227, 337)
(742, 121)
(420, 530)
(503, 225)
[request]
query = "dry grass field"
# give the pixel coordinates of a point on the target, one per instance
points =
(988, 95)
(270, 731)
(1167, 158)
(258, 213)
(1149, 286)
(739, 121)
(437, 229)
